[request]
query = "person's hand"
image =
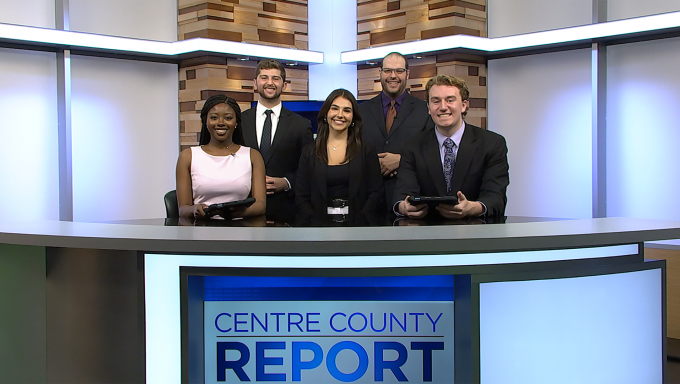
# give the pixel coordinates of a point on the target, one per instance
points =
(417, 211)
(464, 208)
(389, 162)
(275, 184)
(198, 211)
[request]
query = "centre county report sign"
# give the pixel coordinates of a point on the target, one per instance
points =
(328, 329)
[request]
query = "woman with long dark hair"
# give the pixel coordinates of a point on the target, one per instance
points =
(220, 170)
(339, 175)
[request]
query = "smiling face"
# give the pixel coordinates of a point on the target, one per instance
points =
(446, 108)
(269, 84)
(340, 114)
(393, 83)
(221, 122)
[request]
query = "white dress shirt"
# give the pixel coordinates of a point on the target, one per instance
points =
(260, 116)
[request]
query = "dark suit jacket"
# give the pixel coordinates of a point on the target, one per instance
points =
(481, 170)
(366, 193)
(411, 119)
(293, 133)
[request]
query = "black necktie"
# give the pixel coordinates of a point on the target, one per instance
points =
(266, 141)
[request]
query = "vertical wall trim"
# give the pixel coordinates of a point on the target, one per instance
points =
(599, 115)
(332, 30)
(64, 115)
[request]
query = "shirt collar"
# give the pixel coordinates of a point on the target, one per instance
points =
(260, 109)
(398, 101)
(456, 137)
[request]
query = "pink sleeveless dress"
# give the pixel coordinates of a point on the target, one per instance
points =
(218, 179)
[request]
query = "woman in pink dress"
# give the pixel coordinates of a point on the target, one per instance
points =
(220, 171)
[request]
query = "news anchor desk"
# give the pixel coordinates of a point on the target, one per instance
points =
(521, 302)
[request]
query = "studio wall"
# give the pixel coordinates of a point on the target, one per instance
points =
(139, 19)
(124, 116)
(643, 130)
(542, 105)
(34, 13)
(29, 162)
(514, 17)
(124, 138)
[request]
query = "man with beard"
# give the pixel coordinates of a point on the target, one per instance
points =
(279, 135)
(392, 118)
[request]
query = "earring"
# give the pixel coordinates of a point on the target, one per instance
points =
(325, 120)
(352, 124)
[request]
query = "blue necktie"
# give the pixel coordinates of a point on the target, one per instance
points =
(266, 141)
(449, 163)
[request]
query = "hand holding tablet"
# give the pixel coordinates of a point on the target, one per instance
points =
(220, 208)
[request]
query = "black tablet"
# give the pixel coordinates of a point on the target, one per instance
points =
(214, 209)
(433, 200)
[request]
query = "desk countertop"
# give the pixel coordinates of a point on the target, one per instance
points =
(341, 240)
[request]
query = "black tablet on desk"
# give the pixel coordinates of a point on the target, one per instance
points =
(433, 200)
(214, 209)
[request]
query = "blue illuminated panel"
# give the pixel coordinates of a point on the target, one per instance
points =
(328, 329)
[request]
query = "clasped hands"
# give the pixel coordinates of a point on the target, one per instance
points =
(275, 184)
(464, 208)
(389, 162)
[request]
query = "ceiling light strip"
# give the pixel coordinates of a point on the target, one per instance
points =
(565, 35)
(70, 39)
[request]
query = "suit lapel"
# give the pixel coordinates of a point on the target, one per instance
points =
(320, 175)
(248, 128)
(279, 135)
(466, 152)
(355, 169)
(433, 161)
(377, 113)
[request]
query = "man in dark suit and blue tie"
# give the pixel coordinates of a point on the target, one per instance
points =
(392, 118)
(454, 159)
(279, 135)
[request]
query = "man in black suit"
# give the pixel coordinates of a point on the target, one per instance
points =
(453, 159)
(279, 135)
(392, 118)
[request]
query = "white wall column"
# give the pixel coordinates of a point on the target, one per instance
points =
(332, 29)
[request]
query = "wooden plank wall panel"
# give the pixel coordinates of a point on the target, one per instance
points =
(382, 22)
(281, 23)
(672, 258)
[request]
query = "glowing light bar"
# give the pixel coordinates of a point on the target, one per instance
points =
(88, 41)
(565, 35)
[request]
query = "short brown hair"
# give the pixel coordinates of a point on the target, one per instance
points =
(450, 81)
(271, 64)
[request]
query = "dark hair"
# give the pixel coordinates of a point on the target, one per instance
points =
(271, 64)
(212, 101)
(353, 131)
(397, 54)
(451, 81)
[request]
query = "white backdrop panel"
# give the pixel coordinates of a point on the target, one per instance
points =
(594, 329)
(542, 105)
(624, 9)
(125, 138)
(513, 17)
(29, 162)
(34, 13)
(643, 130)
(142, 19)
